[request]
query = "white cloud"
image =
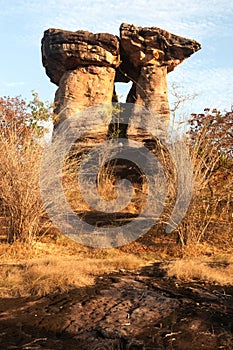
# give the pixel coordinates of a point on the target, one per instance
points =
(13, 84)
(198, 18)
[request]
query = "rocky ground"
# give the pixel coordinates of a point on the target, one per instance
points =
(125, 310)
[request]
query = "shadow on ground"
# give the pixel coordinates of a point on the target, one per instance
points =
(137, 310)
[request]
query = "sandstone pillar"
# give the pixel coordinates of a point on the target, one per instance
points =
(83, 65)
(147, 55)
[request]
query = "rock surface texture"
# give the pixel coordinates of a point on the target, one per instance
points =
(137, 310)
(65, 51)
(147, 55)
(84, 66)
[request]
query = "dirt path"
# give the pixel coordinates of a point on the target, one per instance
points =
(138, 310)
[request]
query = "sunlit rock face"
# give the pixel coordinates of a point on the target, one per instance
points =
(147, 55)
(63, 51)
(85, 65)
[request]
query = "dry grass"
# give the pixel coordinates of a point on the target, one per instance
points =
(209, 218)
(218, 270)
(106, 186)
(36, 268)
(20, 202)
(49, 268)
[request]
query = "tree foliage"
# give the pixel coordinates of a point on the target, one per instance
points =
(17, 114)
(217, 128)
(210, 138)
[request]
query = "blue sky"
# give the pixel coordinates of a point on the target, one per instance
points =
(208, 73)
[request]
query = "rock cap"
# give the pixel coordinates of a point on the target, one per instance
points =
(141, 46)
(64, 50)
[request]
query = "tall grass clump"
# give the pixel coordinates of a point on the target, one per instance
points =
(20, 154)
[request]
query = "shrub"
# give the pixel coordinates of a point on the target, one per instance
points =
(210, 139)
(20, 153)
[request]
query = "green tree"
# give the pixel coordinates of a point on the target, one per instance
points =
(40, 113)
(17, 114)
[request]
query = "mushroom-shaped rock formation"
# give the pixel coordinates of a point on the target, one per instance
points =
(83, 65)
(147, 55)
